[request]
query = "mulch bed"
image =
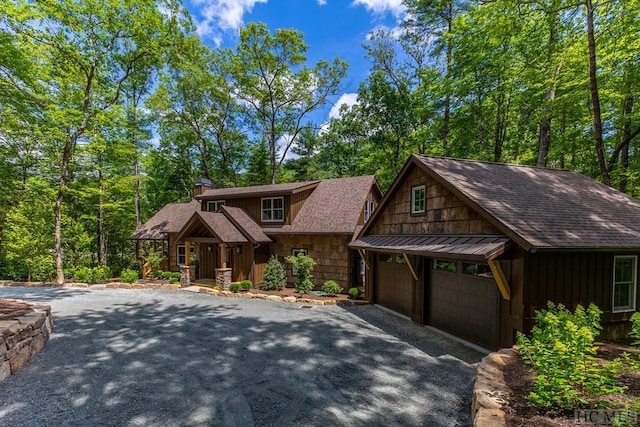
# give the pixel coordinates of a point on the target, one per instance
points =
(521, 413)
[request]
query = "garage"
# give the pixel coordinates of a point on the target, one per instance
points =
(394, 284)
(463, 299)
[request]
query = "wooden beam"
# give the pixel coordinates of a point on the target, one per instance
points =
(411, 269)
(500, 278)
(364, 258)
(187, 252)
(223, 255)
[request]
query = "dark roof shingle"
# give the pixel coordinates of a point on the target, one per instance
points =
(170, 219)
(547, 208)
(241, 219)
(256, 190)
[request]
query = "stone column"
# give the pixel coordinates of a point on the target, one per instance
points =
(223, 278)
(187, 274)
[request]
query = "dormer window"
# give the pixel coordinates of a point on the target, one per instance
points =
(212, 206)
(369, 206)
(273, 209)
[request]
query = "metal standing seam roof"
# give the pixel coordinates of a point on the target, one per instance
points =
(474, 246)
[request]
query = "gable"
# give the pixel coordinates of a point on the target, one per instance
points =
(445, 213)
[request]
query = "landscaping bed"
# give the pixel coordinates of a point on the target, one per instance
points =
(520, 412)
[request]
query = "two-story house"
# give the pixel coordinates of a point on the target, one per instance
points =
(238, 229)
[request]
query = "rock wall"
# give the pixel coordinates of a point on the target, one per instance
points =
(24, 330)
(490, 392)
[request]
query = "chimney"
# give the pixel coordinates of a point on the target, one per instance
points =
(201, 185)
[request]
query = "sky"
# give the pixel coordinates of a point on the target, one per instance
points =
(331, 28)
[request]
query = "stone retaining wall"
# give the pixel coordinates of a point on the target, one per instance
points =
(490, 392)
(24, 330)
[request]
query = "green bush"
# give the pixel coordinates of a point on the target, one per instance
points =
(82, 275)
(354, 292)
(246, 285)
(302, 265)
(561, 352)
(129, 276)
(331, 288)
(174, 277)
(154, 258)
(274, 277)
(235, 287)
(100, 274)
(635, 328)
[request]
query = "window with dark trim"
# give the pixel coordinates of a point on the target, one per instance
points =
(181, 254)
(369, 207)
(295, 252)
(418, 199)
(213, 205)
(273, 209)
(445, 265)
(625, 273)
(481, 270)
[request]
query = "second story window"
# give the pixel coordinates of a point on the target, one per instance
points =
(273, 209)
(369, 206)
(213, 206)
(418, 199)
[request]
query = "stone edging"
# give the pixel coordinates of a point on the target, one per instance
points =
(491, 392)
(111, 285)
(291, 298)
(23, 336)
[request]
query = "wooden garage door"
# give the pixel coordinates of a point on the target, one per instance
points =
(465, 305)
(394, 284)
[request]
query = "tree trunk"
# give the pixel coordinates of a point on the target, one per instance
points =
(57, 209)
(544, 141)
(447, 97)
(102, 242)
(595, 96)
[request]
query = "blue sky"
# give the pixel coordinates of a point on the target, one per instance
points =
(331, 28)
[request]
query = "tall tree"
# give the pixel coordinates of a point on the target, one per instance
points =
(278, 90)
(87, 50)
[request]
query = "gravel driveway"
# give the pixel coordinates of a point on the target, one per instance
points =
(122, 357)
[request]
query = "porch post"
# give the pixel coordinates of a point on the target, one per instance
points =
(187, 250)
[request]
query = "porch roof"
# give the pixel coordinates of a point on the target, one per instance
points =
(208, 224)
(473, 246)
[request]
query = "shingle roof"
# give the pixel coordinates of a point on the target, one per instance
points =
(541, 207)
(170, 219)
(256, 190)
(333, 207)
(429, 245)
(218, 225)
(241, 219)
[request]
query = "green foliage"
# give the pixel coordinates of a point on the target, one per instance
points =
(154, 258)
(302, 266)
(246, 285)
(561, 353)
(216, 288)
(331, 288)
(235, 287)
(128, 276)
(635, 328)
(274, 277)
(354, 292)
(92, 275)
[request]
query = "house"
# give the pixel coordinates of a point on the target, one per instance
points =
(234, 231)
(475, 248)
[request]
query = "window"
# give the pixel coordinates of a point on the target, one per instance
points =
(451, 266)
(181, 257)
(418, 199)
(213, 206)
(273, 209)
(624, 283)
(481, 270)
(295, 252)
(369, 206)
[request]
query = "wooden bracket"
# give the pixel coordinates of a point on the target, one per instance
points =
(500, 278)
(364, 258)
(411, 269)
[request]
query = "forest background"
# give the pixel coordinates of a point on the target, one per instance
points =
(85, 87)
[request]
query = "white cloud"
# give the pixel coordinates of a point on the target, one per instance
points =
(346, 98)
(281, 146)
(216, 16)
(322, 2)
(380, 7)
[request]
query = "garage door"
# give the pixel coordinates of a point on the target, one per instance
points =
(465, 305)
(394, 284)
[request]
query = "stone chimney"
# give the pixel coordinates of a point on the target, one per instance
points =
(201, 185)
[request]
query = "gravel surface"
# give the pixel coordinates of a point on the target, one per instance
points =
(122, 357)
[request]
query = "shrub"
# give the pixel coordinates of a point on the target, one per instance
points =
(302, 265)
(354, 292)
(331, 288)
(174, 277)
(274, 276)
(235, 287)
(82, 274)
(246, 285)
(561, 352)
(154, 258)
(100, 274)
(129, 276)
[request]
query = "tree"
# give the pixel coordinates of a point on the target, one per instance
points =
(274, 277)
(86, 50)
(277, 89)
